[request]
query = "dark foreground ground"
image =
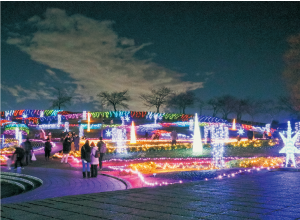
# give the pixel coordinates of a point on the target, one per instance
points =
(261, 195)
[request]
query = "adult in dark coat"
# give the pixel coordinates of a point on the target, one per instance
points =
(28, 150)
(48, 148)
(86, 159)
(66, 149)
(19, 152)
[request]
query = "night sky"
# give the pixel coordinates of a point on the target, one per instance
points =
(214, 48)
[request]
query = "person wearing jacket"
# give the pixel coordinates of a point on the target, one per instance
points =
(86, 159)
(28, 150)
(66, 149)
(47, 149)
(19, 152)
(94, 160)
(102, 148)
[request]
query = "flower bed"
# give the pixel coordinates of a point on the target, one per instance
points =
(256, 162)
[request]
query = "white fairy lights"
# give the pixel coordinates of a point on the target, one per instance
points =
(289, 146)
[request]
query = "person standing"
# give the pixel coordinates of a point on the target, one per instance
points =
(47, 149)
(102, 148)
(86, 159)
(28, 150)
(174, 137)
(66, 149)
(19, 152)
(94, 160)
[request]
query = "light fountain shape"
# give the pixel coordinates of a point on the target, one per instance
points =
(233, 125)
(132, 134)
(289, 146)
(219, 134)
(197, 142)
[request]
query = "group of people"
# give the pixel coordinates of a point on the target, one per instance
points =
(91, 156)
(25, 152)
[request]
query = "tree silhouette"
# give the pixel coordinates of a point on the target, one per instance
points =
(114, 99)
(182, 100)
(156, 98)
(62, 99)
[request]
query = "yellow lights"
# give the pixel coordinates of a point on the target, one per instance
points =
(89, 121)
(257, 162)
(132, 134)
(152, 167)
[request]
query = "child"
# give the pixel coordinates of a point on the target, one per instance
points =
(8, 162)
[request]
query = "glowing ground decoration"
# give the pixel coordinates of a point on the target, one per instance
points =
(233, 125)
(17, 133)
(191, 124)
(241, 131)
(289, 146)
(297, 127)
(20, 137)
(41, 114)
(132, 134)
(84, 115)
(67, 126)
(108, 133)
(58, 119)
(219, 134)
(197, 142)
(119, 136)
(81, 131)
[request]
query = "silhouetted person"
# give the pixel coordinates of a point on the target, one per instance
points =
(47, 149)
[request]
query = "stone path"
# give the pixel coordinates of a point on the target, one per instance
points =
(264, 195)
(61, 180)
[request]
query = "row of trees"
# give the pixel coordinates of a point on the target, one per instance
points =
(221, 106)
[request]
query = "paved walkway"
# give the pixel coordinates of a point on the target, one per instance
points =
(264, 195)
(62, 180)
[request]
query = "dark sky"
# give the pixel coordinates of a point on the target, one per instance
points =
(215, 48)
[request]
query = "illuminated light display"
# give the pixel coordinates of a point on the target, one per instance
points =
(84, 115)
(155, 118)
(132, 134)
(241, 131)
(127, 118)
(219, 134)
(3, 140)
(206, 129)
(197, 142)
(17, 133)
(58, 119)
(20, 137)
(89, 120)
(122, 119)
(81, 131)
(268, 126)
(289, 146)
(108, 133)
(191, 124)
(233, 125)
(67, 129)
(119, 136)
(297, 128)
